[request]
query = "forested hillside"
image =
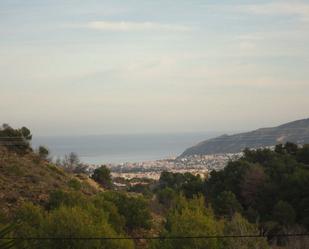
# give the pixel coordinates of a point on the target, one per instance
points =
(264, 193)
(267, 188)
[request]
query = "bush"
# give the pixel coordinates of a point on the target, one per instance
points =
(284, 213)
(75, 184)
(134, 209)
(226, 204)
(240, 226)
(114, 217)
(190, 218)
(67, 222)
(166, 196)
(102, 175)
(142, 189)
(62, 198)
(43, 152)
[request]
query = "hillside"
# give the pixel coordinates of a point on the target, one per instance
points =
(296, 132)
(263, 191)
(27, 178)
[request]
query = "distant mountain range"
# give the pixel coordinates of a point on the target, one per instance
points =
(296, 132)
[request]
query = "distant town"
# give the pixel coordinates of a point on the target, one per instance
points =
(196, 164)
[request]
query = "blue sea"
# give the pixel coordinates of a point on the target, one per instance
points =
(102, 149)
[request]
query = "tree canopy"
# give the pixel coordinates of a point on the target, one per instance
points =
(17, 140)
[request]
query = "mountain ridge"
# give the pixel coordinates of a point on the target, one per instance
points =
(294, 131)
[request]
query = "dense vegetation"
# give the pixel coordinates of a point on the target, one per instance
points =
(265, 192)
(72, 214)
(268, 187)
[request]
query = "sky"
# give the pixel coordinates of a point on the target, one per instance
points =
(138, 66)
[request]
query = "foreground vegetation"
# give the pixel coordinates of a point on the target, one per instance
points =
(265, 192)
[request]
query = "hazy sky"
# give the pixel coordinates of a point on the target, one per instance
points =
(93, 67)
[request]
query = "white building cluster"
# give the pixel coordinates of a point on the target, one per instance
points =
(197, 164)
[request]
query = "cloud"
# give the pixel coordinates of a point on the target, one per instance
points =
(301, 10)
(126, 26)
(250, 37)
(248, 42)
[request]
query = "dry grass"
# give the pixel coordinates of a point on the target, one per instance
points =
(27, 178)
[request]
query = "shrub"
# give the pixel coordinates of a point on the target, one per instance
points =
(102, 175)
(240, 226)
(67, 222)
(43, 153)
(190, 218)
(134, 209)
(166, 196)
(75, 184)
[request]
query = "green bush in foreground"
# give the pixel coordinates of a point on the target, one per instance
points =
(240, 226)
(190, 218)
(66, 222)
(135, 210)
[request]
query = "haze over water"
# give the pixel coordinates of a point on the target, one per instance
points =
(122, 148)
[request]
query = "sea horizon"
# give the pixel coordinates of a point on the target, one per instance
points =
(120, 148)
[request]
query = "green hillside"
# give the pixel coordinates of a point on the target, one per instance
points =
(45, 206)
